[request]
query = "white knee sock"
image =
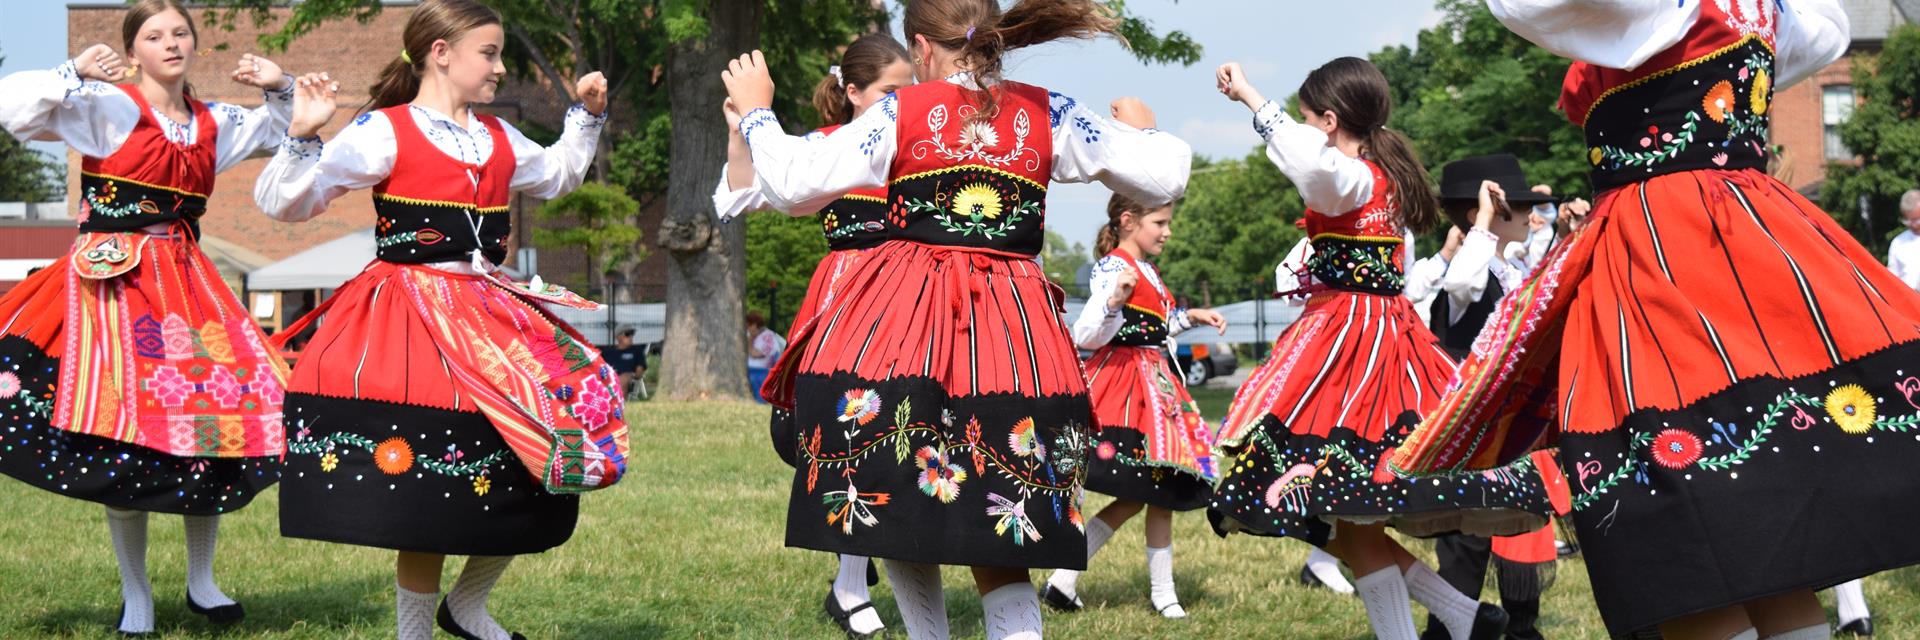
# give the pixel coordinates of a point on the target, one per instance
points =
(413, 614)
(1454, 609)
(1814, 632)
(1327, 568)
(1749, 634)
(467, 601)
(1385, 594)
(1012, 612)
(203, 535)
(1160, 577)
(1068, 580)
(850, 588)
(1850, 601)
(916, 591)
(129, 531)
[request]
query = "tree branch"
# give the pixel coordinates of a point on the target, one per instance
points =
(560, 81)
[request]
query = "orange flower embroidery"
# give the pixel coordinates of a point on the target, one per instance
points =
(393, 456)
(1719, 101)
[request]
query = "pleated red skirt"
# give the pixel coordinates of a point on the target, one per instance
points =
(1151, 445)
(942, 413)
(820, 295)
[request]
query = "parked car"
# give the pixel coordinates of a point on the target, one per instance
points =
(1204, 361)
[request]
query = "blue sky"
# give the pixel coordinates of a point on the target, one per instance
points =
(1277, 42)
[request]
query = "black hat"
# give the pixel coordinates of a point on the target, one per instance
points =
(1460, 179)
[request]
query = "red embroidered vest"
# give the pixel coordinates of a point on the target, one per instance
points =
(1701, 104)
(1363, 249)
(965, 183)
(857, 220)
(150, 179)
(434, 208)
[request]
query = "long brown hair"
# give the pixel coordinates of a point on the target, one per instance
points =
(137, 15)
(860, 67)
(983, 34)
(1357, 92)
(1108, 238)
(433, 20)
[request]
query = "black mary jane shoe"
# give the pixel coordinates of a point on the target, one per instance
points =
(844, 617)
(1862, 628)
(121, 618)
(1309, 580)
(1059, 600)
(444, 618)
(225, 614)
(1489, 623)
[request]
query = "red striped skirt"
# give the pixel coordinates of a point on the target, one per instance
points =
(942, 414)
(1151, 445)
(131, 376)
(820, 294)
(1312, 429)
(1725, 371)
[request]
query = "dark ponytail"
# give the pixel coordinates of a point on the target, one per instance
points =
(860, 67)
(1109, 237)
(1357, 92)
(433, 20)
(983, 35)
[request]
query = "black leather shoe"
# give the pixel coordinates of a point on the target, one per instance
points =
(873, 575)
(1489, 623)
(1862, 628)
(1058, 600)
(222, 615)
(844, 617)
(445, 619)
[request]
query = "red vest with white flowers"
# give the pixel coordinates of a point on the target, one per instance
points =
(434, 208)
(150, 179)
(963, 181)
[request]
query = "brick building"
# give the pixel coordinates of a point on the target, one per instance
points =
(353, 53)
(1807, 116)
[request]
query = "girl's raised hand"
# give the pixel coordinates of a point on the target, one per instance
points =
(100, 62)
(1209, 318)
(592, 89)
(315, 98)
(1232, 82)
(258, 72)
(748, 82)
(1122, 289)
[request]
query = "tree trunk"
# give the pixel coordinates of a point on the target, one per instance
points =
(705, 354)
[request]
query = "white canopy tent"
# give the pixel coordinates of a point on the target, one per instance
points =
(325, 266)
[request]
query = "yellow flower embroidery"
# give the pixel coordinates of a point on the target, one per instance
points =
(328, 461)
(481, 485)
(1762, 87)
(978, 202)
(1852, 408)
(1594, 155)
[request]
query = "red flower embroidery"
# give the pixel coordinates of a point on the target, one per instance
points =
(1381, 473)
(1675, 449)
(1106, 451)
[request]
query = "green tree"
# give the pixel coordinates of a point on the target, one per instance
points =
(1885, 132)
(782, 252)
(27, 175)
(597, 219)
(1063, 260)
(1234, 225)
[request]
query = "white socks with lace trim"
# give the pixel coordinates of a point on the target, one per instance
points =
(467, 601)
(413, 614)
(1067, 581)
(1012, 612)
(1454, 609)
(1850, 601)
(203, 536)
(1385, 594)
(916, 591)
(129, 531)
(850, 589)
(1327, 568)
(1160, 579)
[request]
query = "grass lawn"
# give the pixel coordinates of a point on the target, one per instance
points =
(688, 546)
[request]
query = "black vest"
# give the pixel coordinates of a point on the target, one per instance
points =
(1458, 337)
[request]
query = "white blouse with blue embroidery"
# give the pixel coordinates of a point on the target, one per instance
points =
(95, 118)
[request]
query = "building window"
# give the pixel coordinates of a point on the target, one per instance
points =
(1836, 105)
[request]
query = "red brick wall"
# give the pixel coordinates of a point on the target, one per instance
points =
(354, 54)
(1797, 124)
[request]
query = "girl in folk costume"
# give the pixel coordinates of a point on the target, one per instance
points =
(1313, 427)
(871, 68)
(1152, 449)
(940, 399)
(1734, 433)
(129, 373)
(441, 409)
